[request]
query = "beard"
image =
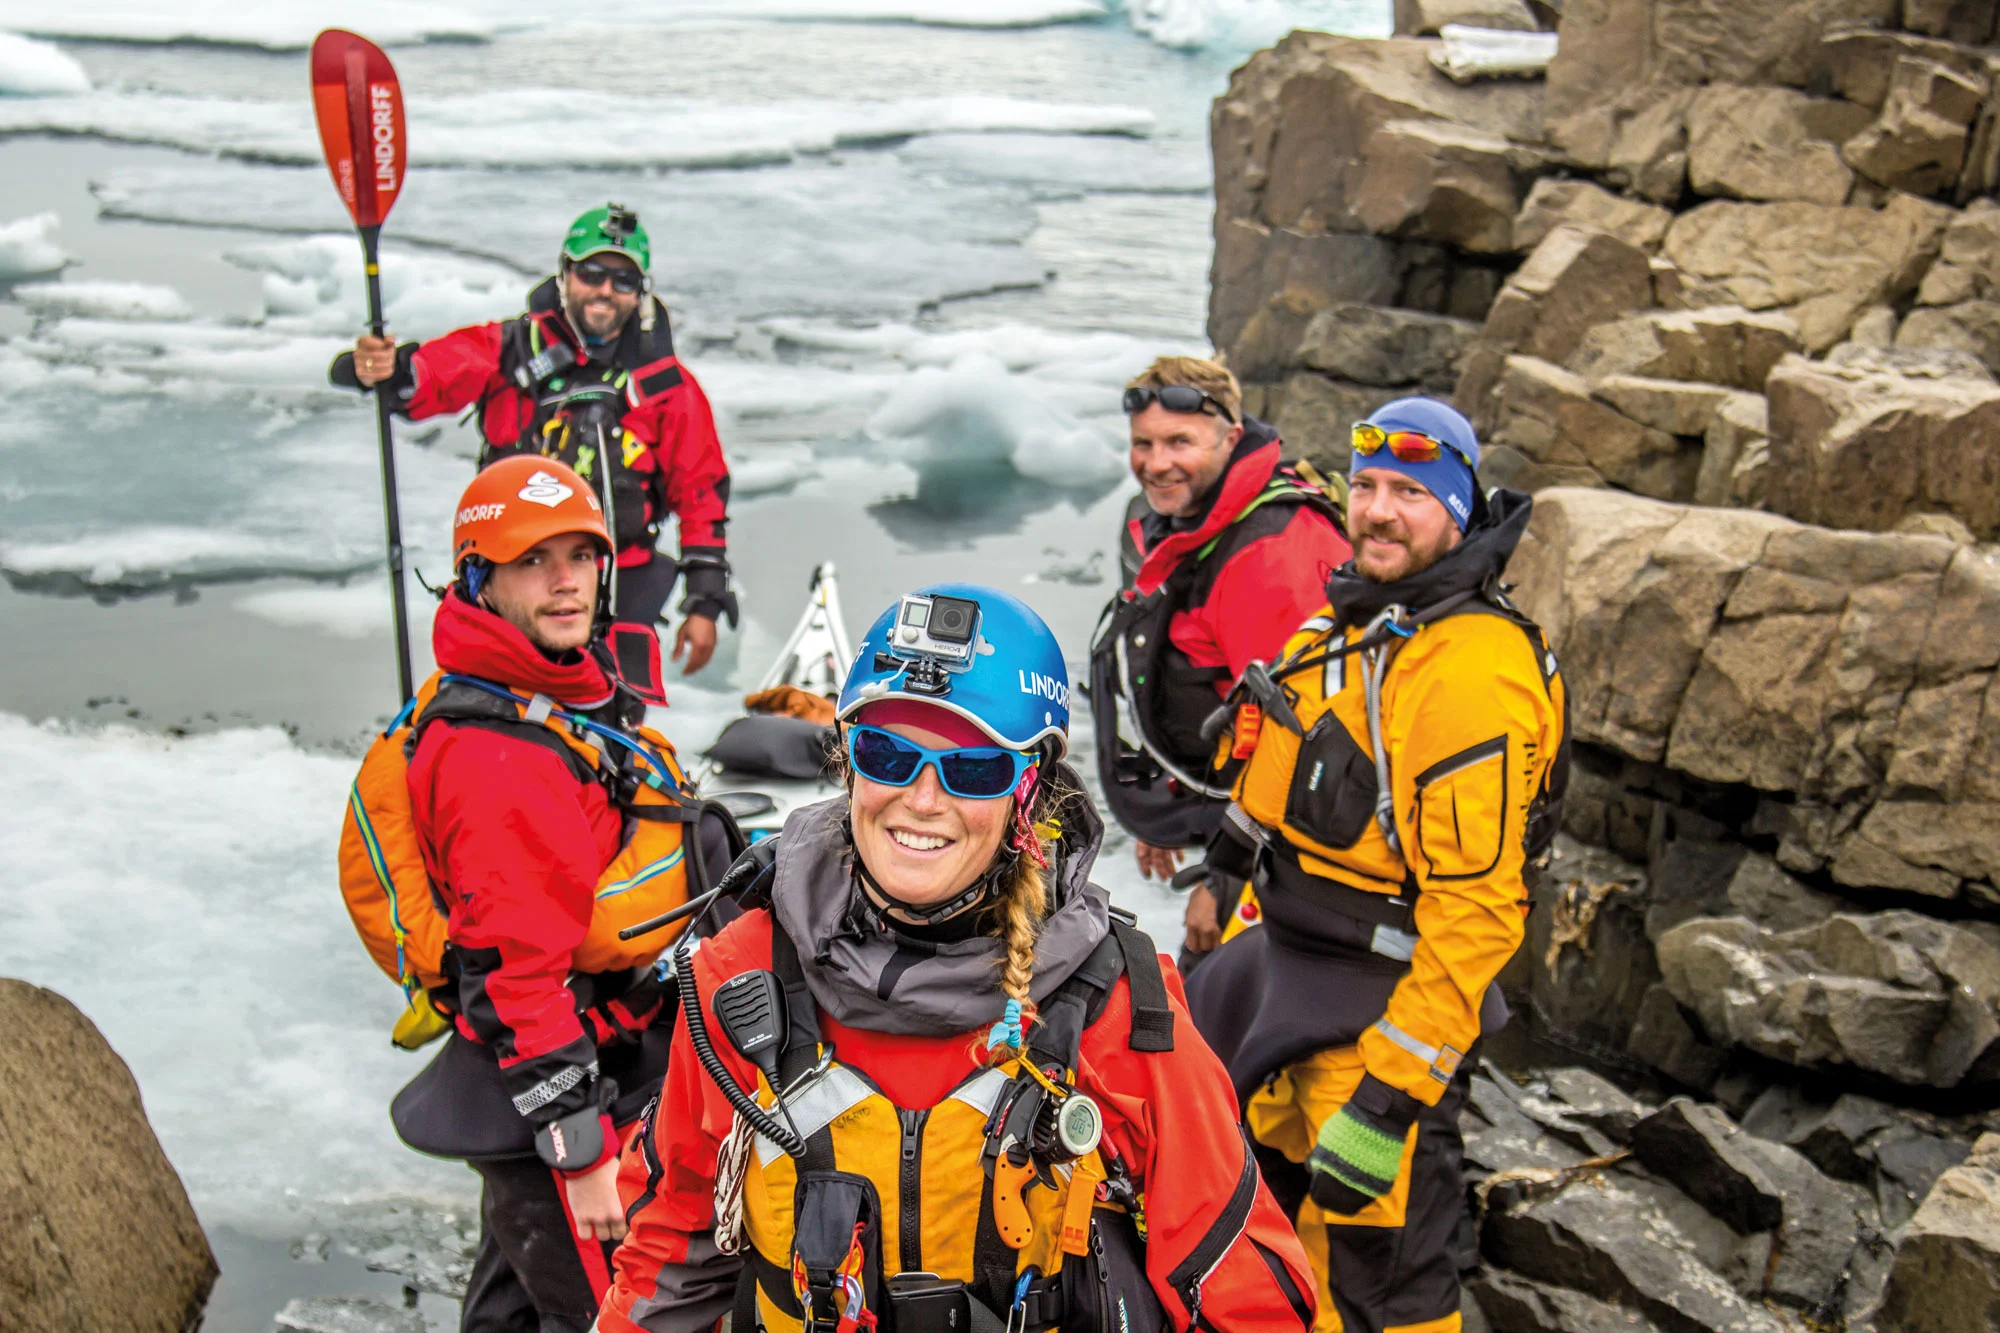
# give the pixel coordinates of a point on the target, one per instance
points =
(1402, 559)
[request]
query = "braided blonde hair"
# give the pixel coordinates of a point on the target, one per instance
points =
(1026, 903)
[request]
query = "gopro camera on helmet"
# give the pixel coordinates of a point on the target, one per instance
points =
(937, 627)
(931, 637)
(620, 222)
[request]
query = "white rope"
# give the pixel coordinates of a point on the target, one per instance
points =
(732, 1163)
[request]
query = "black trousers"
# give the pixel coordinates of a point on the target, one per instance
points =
(643, 590)
(531, 1273)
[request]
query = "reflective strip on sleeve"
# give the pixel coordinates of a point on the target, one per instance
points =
(1443, 1063)
(554, 1086)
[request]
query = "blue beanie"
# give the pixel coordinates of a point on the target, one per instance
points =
(1449, 478)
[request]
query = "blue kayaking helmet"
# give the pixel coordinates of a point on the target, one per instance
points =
(976, 651)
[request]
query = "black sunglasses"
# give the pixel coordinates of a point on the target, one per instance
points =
(593, 274)
(1175, 398)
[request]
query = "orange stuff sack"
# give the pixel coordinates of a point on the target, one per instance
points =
(382, 875)
(388, 891)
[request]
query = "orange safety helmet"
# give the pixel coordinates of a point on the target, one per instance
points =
(519, 501)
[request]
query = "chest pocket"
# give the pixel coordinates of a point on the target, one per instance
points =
(1332, 797)
(1462, 811)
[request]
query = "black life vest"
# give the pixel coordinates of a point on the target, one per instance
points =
(1167, 789)
(579, 399)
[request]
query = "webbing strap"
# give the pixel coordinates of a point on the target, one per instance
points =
(802, 1035)
(1152, 1012)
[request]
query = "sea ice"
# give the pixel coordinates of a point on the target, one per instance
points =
(1244, 25)
(280, 27)
(534, 127)
(26, 250)
(104, 300)
(804, 239)
(29, 68)
(356, 610)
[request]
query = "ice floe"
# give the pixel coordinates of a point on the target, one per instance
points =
(26, 250)
(29, 68)
(530, 127)
(104, 300)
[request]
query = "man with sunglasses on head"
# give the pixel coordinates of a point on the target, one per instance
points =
(1226, 550)
(588, 376)
(1406, 761)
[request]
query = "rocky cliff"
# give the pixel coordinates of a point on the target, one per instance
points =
(1720, 281)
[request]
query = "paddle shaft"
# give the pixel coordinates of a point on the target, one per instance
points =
(391, 511)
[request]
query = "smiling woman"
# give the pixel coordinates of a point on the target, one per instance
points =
(950, 992)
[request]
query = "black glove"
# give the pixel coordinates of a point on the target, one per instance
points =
(705, 571)
(401, 383)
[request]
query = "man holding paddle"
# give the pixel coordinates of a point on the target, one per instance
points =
(588, 375)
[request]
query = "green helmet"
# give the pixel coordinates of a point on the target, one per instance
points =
(613, 227)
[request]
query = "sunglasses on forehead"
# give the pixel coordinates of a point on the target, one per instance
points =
(593, 274)
(1184, 398)
(1408, 446)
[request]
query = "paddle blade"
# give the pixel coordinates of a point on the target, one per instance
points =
(361, 123)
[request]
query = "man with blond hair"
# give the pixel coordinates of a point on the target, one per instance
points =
(1227, 551)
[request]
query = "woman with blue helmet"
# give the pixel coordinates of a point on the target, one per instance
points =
(929, 1080)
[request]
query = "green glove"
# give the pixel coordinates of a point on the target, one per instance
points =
(1360, 1148)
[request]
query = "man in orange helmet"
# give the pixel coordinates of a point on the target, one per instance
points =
(547, 1061)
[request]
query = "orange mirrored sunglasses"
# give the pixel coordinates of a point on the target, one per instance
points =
(1410, 446)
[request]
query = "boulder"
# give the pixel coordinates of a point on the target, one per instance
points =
(1625, 1240)
(1547, 415)
(1918, 141)
(1860, 62)
(1735, 453)
(1762, 892)
(1946, 1277)
(1954, 20)
(1742, 648)
(1433, 180)
(1597, 1101)
(1770, 143)
(1380, 345)
(1663, 1037)
(1575, 279)
(1758, 1186)
(1894, 994)
(1551, 203)
(1586, 964)
(1896, 1153)
(1423, 18)
(1968, 265)
(1864, 443)
(1618, 57)
(1313, 413)
(1823, 264)
(1515, 1304)
(1972, 327)
(1639, 142)
(1674, 406)
(1288, 135)
(96, 1231)
(1267, 284)
(1723, 345)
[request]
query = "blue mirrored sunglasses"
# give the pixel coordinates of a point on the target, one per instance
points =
(979, 773)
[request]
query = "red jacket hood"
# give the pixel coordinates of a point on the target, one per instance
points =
(472, 640)
(1246, 477)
